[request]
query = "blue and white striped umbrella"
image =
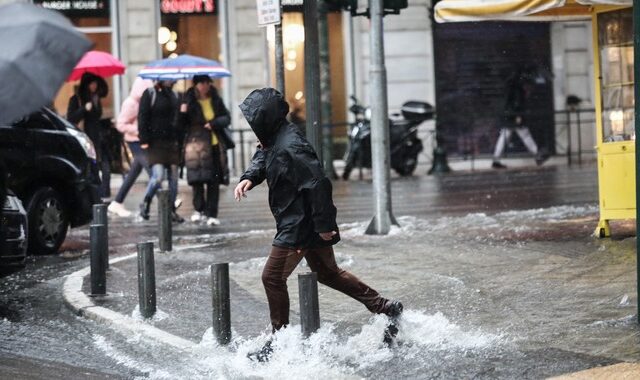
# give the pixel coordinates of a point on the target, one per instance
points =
(183, 67)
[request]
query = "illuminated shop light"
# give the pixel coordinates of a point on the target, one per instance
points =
(171, 46)
(163, 35)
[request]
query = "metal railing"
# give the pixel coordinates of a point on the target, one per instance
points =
(575, 133)
(246, 143)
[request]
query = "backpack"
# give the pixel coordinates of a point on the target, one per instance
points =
(152, 92)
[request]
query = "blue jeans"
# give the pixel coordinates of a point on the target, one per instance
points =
(155, 183)
(139, 162)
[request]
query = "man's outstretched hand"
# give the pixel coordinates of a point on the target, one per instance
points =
(327, 235)
(242, 188)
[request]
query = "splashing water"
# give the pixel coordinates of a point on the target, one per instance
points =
(330, 353)
(157, 317)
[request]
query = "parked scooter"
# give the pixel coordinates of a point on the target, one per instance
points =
(403, 133)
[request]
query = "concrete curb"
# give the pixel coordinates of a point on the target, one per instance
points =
(82, 305)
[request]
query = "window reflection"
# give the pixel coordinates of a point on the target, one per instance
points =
(615, 34)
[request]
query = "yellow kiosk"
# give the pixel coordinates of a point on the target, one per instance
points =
(612, 22)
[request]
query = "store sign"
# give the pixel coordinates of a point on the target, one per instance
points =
(188, 7)
(268, 12)
(77, 8)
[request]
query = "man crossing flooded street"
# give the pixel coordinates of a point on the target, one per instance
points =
(300, 197)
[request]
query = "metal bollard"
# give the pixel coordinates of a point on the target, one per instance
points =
(100, 216)
(221, 304)
(164, 221)
(98, 237)
(146, 280)
(309, 307)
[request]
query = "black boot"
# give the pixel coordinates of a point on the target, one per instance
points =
(263, 354)
(393, 310)
(144, 208)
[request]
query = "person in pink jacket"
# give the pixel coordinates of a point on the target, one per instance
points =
(127, 124)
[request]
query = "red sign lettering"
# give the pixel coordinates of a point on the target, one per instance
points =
(187, 6)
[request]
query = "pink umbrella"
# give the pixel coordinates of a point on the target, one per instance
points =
(99, 63)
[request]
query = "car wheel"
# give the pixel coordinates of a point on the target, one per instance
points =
(48, 221)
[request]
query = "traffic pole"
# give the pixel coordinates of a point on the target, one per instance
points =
(312, 76)
(380, 153)
(636, 70)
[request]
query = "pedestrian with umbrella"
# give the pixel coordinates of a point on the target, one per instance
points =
(85, 107)
(161, 134)
(85, 111)
(184, 67)
(205, 148)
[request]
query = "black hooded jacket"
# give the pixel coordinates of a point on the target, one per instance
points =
(299, 192)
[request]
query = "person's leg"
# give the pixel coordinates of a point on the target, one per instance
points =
(155, 182)
(173, 191)
(105, 169)
(213, 187)
(142, 157)
(527, 139)
(280, 264)
(172, 176)
(505, 134)
(134, 172)
(198, 196)
(323, 262)
(213, 197)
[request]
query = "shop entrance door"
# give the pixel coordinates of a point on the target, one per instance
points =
(472, 64)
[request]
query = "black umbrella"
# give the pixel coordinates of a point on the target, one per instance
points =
(39, 49)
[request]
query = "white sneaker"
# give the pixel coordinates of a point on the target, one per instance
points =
(118, 209)
(196, 217)
(177, 203)
(213, 222)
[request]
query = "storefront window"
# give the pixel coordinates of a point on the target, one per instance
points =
(189, 27)
(615, 36)
(293, 43)
(93, 18)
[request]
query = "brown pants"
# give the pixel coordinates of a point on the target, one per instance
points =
(282, 261)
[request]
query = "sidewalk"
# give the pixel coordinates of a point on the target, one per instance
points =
(493, 293)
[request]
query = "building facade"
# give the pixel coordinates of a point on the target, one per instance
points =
(228, 31)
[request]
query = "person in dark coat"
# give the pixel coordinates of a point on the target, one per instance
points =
(205, 150)
(161, 135)
(301, 202)
(85, 111)
(519, 87)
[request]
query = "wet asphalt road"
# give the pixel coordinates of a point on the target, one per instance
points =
(41, 338)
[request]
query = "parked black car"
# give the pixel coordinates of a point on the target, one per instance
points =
(51, 168)
(13, 234)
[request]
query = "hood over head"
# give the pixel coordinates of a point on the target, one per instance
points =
(265, 110)
(86, 79)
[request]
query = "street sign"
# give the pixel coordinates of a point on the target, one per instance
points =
(268, 12)
(77, 8)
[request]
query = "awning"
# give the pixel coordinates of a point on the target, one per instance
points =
(517, 10)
